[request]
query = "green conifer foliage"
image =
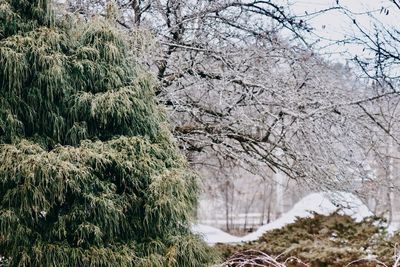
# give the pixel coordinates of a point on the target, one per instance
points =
(89, 175)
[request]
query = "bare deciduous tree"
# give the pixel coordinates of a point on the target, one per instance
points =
(240, 83)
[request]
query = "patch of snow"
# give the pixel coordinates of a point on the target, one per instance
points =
(393, 227)
(322, 203)
(212, 235)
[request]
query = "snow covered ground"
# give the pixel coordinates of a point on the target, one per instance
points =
(322, 203)
(214, 235)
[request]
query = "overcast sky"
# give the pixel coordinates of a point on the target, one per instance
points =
(336, 26)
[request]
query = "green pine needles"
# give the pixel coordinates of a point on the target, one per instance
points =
(89, 175)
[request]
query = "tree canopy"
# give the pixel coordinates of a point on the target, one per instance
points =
(89, 174)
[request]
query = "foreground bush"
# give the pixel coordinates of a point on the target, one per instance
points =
(335, 240)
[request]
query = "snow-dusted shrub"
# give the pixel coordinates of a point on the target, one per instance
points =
(333, 240)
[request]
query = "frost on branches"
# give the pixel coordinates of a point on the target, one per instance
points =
(243, 86)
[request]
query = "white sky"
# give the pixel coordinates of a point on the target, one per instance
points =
(334, 25)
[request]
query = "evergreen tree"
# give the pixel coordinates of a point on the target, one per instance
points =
(89, 175)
